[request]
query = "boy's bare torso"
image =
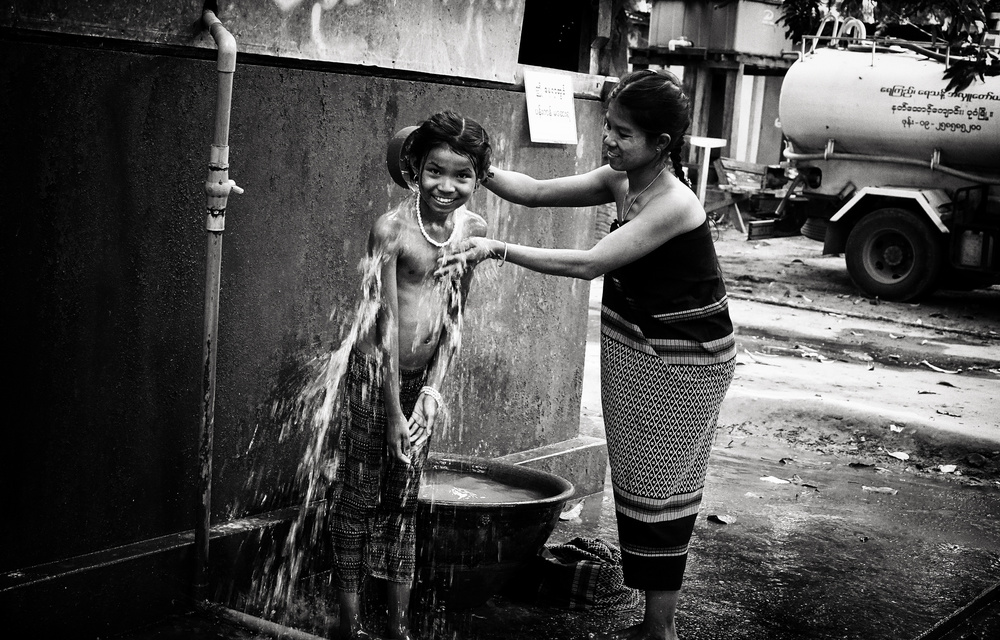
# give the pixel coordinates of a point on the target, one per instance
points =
(423, 300)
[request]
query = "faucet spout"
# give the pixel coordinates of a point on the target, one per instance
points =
(224, 40)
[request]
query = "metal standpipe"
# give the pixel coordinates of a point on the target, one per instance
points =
(217, 187)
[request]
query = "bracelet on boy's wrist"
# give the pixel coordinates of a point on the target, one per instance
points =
(433, 393)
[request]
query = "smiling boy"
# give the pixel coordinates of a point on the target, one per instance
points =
(398, 366)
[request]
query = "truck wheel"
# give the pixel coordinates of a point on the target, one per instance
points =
(894, 254)
(814, 229)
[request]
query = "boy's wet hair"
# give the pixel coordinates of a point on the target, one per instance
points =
(464, 136)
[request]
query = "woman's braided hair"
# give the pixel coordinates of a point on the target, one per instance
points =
(657, 104)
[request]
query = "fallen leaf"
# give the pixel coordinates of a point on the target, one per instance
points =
(750, 355)
(572, 513)
(774, 480)
(796, 479)
(899, 455)
(724, 518)
(938, 369)
(888, 490)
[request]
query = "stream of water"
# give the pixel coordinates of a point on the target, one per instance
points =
(308, 413)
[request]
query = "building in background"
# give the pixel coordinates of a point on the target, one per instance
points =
(732, 56)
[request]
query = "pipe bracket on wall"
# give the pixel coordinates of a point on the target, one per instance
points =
(218, 186)
(830, 145)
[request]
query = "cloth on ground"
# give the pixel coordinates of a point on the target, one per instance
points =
(584, 573)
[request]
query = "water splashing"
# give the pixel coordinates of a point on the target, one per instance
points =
(307, 409)
(309, 405)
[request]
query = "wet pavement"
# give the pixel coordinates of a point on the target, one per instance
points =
(826, 554)
(808, 530)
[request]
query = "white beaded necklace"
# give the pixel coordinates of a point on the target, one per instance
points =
(420, 223)
(629, 207)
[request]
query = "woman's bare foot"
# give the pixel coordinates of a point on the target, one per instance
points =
(657, 621)
(641, 631)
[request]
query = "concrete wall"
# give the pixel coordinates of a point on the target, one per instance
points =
(105, 152)
(466, 38)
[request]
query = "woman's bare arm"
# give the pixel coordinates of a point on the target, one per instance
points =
(661, 219)
(584, 190)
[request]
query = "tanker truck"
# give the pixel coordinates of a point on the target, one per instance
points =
(905, 172)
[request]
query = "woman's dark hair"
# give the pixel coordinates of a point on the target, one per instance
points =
(464, 136)
(656, 104)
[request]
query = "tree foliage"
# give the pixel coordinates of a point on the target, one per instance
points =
(950, 20)
(959, 23)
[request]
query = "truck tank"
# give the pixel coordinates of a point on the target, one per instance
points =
(890, 103)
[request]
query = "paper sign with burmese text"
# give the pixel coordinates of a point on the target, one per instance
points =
(551, 113)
